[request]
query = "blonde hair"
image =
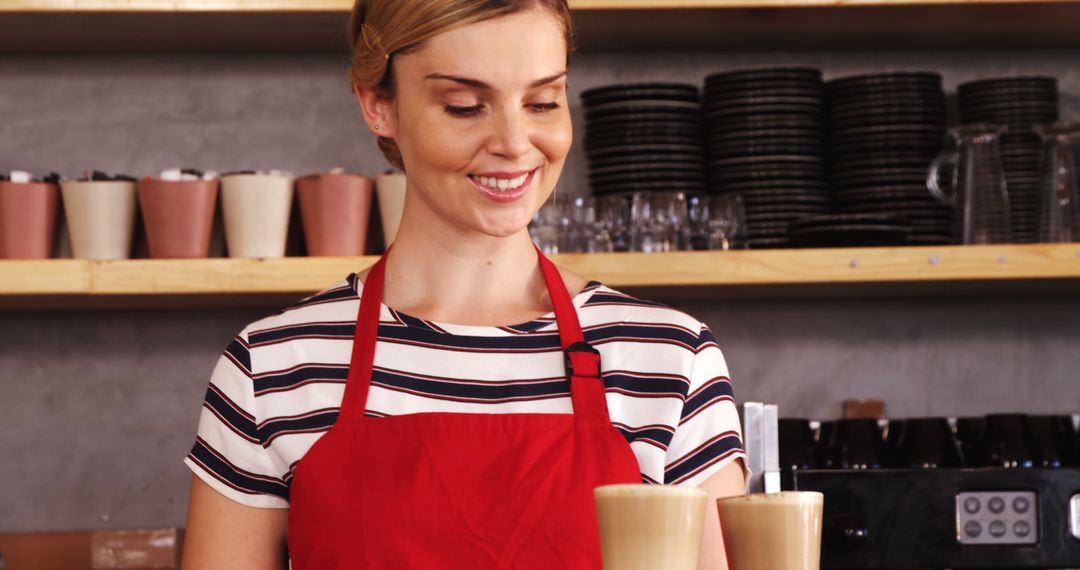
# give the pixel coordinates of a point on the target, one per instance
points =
(381, 29)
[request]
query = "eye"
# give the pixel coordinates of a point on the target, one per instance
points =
(545, 107)
(463, 111)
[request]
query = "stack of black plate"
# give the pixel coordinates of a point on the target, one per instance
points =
(884, 130)
(843, 230)
(765, 144)
(644, 137)
(1018, 103)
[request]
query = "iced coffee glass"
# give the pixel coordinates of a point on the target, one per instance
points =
(645, 527)
(767, 531)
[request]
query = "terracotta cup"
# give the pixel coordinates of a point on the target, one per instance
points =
(336, 208)
(256, 209)
(391, 189)
(178, 216)
(28, 212)
(100, 217)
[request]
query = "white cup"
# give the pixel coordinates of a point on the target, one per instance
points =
(100, 217)
(391, 191)
(256, 208)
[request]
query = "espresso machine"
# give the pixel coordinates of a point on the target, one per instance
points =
(941, 496)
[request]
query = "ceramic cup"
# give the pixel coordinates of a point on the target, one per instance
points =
(178, 215)
(256, 209)
(28, 212)
(391, 189)
(336, 208)
(100, 217)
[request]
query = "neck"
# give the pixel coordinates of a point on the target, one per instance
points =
(440, 274)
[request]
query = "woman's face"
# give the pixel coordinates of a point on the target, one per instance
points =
(481, 118)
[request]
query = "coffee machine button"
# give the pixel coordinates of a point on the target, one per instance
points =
(972, 505)
(1021, 505)
(1022, 529)
(973, 529)
(996, 505)
(997, 529)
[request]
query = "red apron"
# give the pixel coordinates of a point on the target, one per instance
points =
(449, 490)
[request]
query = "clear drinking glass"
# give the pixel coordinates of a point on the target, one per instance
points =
(546, 228)
(614, 218)
(1059, 213)
(977, 187)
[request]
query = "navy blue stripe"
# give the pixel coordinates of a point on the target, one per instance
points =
(646, 385)
(717, 389)
(241, 423)
(416, 323)
(659, 435)
(483, 391)
(331, 330)
(282, 426)
(239, 354)
(235, 477)
(603, 298)
(702, 457)
(631, 331)
(285, 380)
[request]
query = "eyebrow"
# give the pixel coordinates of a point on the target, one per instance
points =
(476, 83)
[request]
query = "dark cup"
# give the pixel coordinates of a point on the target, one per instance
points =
(894, 434)
(969, 434)
(856, 444)
(796, 449)
(822, 438)
(928, 443)
(1007, 441)
(1051, 445)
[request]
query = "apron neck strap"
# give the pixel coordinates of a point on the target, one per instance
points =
(582, 361)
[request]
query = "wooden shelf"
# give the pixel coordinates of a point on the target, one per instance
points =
(44, 26)
(77, 284)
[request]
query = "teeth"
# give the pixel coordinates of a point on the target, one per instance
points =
(501, 184)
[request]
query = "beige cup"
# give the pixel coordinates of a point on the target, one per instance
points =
(256, 209)
(645, 527)
(767, 531)
(100, 217)
(391, 191)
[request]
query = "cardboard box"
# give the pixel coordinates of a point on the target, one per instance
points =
(135, 549)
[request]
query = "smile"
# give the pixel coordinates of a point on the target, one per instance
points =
(503, 187)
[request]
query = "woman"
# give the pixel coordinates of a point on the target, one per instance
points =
(467, 445)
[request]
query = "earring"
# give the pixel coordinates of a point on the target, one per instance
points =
(377, 126)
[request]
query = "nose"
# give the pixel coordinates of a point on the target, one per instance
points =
(510, 134)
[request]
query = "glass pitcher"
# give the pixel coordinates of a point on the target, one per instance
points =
(977, 185)
(1059, 213)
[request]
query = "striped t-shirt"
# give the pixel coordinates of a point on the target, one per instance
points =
(278, 386)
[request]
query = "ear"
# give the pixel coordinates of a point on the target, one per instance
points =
(377, 111)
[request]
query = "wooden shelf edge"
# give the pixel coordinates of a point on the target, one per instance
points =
(793, 267)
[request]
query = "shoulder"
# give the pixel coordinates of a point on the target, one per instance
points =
(631, 317)
(334, 305)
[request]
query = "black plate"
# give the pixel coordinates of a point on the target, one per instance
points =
(645, 167)
(885, 78)
(727, 93)
(764, 122)
(1020, 82)
(721, 153)
(851, 235)
(787, 73)
(645, 149)
(802, 184)
(996, 96)
(620, 89)
(637, 139)
(640, 105)
(887, 99)
(639, 121)
(754, 135)
(721, 113)
(648, 187)
(636, 159)
(666, 176)
(768, 243)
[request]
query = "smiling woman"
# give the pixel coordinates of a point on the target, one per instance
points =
(456, 404)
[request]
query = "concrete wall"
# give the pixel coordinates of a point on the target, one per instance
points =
(97, 409)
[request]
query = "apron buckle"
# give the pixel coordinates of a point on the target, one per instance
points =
(582, 360)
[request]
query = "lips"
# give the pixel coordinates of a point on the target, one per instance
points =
(503, 187)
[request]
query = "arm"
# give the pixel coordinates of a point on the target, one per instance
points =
(727, 482)
(222, 533)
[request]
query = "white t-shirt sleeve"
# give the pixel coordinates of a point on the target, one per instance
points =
(708, 436)
(229, 453)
